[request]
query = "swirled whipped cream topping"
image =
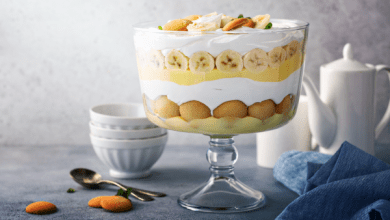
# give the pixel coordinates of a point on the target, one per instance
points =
(241, 40)
(206, 23)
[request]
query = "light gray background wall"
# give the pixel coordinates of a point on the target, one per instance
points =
(58, 58)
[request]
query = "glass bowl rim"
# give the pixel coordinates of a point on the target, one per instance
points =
(146, 26)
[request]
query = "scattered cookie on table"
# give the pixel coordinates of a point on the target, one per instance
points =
(96, 202)
(116, 204)
(111, 203)
(41, 208)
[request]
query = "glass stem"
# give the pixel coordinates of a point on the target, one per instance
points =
(222, 155)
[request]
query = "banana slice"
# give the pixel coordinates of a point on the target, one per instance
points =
(229, 61)
(156, 59)
(292, 48)
(256, 60)
(204, 26)
(176, 60)
(201, 62)
(226, 19)
(276, 57)
(261, 21)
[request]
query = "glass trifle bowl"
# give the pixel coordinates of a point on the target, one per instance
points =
(221, 84)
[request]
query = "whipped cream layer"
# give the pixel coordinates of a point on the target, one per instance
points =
(214, 93)
(241, 40)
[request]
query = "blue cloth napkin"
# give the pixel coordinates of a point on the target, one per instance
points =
(351, 184)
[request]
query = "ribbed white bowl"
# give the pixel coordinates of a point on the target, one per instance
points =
(129, 158)
(126, 134)
(127, 116)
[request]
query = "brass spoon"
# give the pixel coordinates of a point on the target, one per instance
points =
(91, 179)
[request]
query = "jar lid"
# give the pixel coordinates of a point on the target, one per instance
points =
(347, 63)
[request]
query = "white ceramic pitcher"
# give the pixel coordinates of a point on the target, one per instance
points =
(345, 110)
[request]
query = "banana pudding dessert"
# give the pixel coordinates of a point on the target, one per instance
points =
(218, 74)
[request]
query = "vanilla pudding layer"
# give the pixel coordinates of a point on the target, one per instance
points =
(184, 77)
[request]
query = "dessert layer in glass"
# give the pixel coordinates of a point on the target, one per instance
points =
(241, 82)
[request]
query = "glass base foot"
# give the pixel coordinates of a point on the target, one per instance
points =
(222, 195)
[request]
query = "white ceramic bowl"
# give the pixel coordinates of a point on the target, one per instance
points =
(129, 158)
(126, 134)
(127, 116)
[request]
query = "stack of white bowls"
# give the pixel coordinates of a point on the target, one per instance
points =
(125, 140)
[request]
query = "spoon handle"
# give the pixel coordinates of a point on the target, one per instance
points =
(147, 192)
(141, 196)
(134, 193)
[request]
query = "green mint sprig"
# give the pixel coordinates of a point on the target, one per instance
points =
(71, 190)
(269, 25)
(159, 27)
(124, 193)
(241, 16)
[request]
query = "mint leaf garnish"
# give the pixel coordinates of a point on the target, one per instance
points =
(71, 190)
(240, 16)
(159, 27)
(124, 193)
(269, 25)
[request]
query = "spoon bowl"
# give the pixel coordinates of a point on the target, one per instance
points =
(85, 177)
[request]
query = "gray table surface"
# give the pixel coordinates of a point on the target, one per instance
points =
(34, 173)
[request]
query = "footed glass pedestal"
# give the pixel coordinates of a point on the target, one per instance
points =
(222, 193)
(221, 84)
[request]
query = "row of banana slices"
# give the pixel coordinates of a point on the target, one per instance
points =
(256, 60)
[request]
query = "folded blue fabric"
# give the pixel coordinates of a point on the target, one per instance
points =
(291, 168)
(351, 184)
